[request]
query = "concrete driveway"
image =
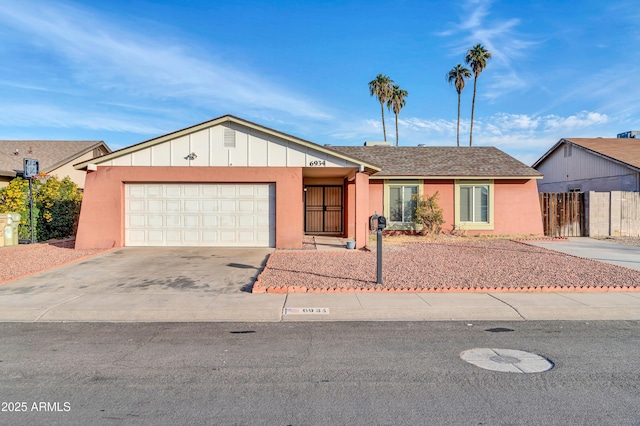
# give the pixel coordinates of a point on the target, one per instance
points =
(151, 270)
(589, 248)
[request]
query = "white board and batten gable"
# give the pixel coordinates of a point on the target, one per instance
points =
(227, 144)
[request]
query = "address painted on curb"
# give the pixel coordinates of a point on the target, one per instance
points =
(305, 311)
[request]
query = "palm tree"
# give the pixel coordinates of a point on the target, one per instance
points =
(456, 77)
(397, 102)
(381, 88)
(477, 58)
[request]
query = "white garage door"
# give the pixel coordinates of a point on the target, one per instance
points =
(200, 214)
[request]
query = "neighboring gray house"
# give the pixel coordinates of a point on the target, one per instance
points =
(55, 157)
(591, 164)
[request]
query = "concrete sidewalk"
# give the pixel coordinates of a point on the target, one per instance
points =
(245, 307)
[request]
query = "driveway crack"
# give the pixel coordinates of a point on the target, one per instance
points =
(46, 311)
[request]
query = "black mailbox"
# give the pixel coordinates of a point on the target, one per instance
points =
(382, 222)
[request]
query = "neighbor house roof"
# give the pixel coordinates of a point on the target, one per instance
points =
(440, 161)
(50, 154)
(621, 150)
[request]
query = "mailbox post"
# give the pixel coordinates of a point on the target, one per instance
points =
(382, 223)
(31, 168)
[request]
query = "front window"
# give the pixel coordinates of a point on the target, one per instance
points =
(474, 203)
(402, 203)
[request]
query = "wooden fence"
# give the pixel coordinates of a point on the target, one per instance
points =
(562, 214)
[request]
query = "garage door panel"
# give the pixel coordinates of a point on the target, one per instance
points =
(173, 221)
(191, 191)
(191, 221)
(246, 206)
(200, 215)
(191, 206)
(172, 191)
(173, 205)
(246, 222)
(246, 191)
(209, 206)
(155, 221)
(228, 205)
(152, 191)
(228, 191)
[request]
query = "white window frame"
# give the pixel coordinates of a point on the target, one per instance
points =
(471, 225)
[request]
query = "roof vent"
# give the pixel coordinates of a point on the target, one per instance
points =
(374, 143)
(629, 134)
(229, 138)
(327, 144)
(422, 144)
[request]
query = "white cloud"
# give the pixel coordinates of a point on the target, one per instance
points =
(500, 38)
(107, 57)
(30, 115)
(576, 121)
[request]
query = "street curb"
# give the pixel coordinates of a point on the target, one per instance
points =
(259, 289)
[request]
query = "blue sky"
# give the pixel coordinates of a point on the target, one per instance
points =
(127, 71)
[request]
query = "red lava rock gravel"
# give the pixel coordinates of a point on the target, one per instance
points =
(501, 265)
(20, 261)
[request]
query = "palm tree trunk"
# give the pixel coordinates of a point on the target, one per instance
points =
(384, 128)
(473, 107)
(396, 129)
(458, 133)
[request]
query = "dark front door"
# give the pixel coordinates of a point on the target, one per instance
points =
(323, 209)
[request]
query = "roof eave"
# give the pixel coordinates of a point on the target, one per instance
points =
(215, 122)
(470, 177)
(76, 155)
(549, 152)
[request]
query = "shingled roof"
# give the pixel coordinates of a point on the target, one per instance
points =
(50, 154)
(623, 150)
(439, 161)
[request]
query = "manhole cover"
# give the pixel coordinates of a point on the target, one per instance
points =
(507, 360)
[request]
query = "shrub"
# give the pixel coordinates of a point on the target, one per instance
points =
(428, 214)
(56, 206)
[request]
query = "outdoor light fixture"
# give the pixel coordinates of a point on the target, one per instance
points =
(191, 156)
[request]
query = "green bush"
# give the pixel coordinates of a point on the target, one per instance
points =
(428, 214)
(56, 207)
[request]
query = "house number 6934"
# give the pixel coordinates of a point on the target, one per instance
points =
(317, 163)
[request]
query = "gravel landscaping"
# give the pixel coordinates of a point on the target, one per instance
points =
(447, 265)
(23, 260)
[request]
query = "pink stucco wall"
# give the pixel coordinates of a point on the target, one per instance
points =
(517, 207)
(102, 216)
(446, 201)
(362, 209)
(376, 196)
(357, 209)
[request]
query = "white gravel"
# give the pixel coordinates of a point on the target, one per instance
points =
(483, 264)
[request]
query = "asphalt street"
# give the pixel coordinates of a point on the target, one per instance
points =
(316, 373)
